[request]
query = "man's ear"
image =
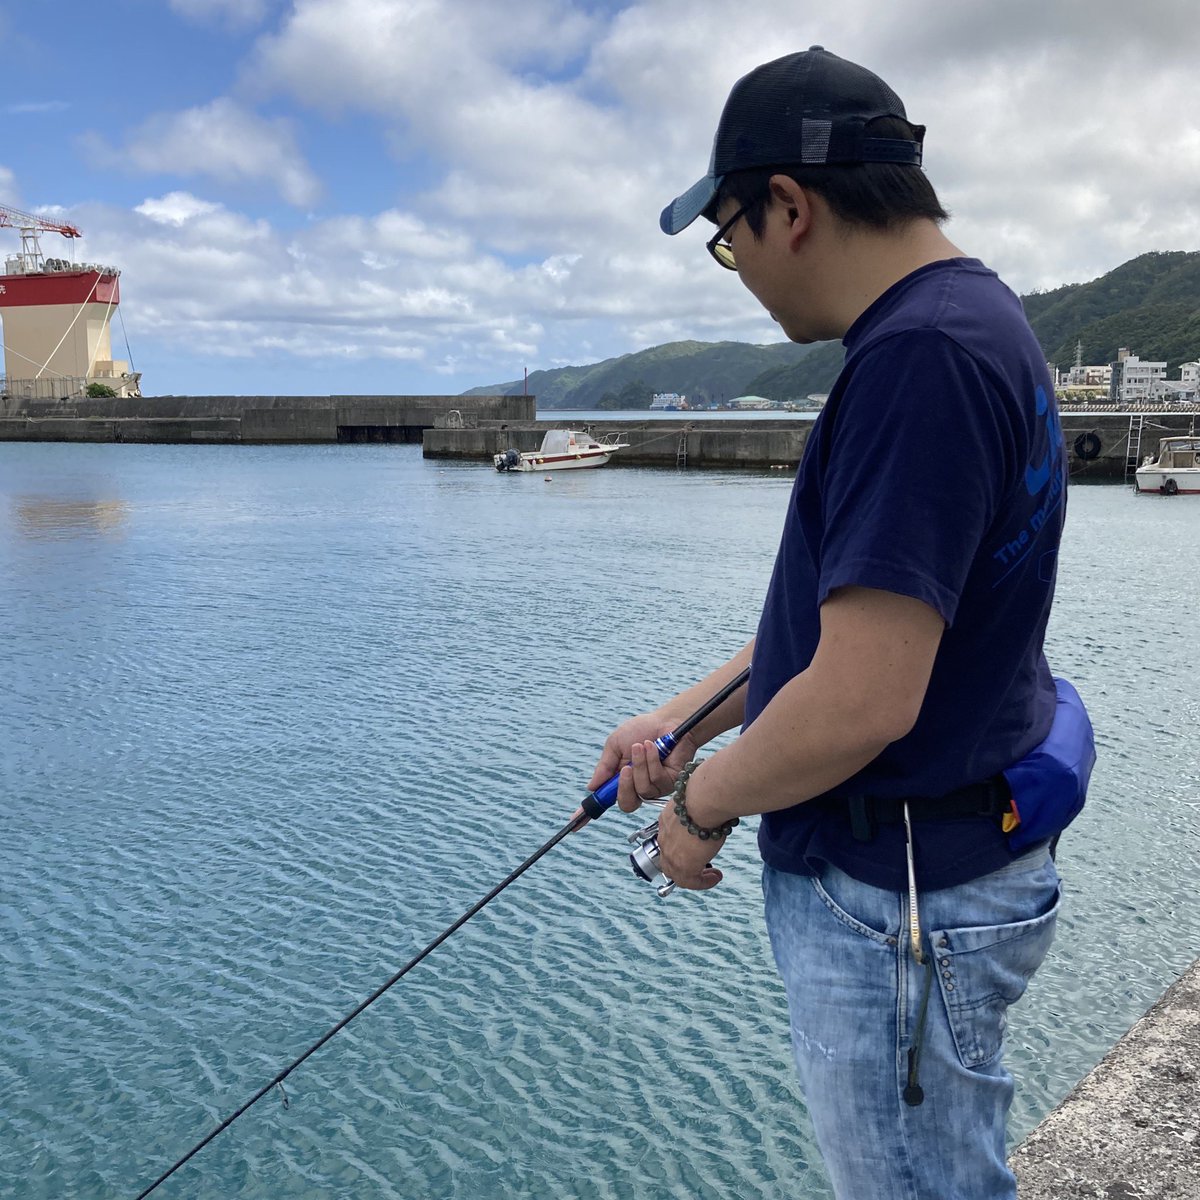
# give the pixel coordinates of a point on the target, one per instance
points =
(789, 196)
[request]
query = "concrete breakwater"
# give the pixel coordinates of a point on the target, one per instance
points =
(651, 443)
(1102, 446)
(1107, 446)
(257, 419)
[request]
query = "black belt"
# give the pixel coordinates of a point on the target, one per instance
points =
(991, 798)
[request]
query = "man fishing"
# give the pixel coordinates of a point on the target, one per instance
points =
(897, 672)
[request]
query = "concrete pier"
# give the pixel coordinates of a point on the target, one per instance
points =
(1102, 446)
(651, 443)
(1131, 1129)
(1099, 445)
(256, 419)
(1107, 446)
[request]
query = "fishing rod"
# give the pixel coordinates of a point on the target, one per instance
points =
(594, 805)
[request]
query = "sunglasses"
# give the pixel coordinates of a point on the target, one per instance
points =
(719, 248)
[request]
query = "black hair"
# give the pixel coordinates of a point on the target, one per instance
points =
(877, 195)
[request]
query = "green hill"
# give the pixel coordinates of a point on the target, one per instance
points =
(1150, 304)
(705, 372)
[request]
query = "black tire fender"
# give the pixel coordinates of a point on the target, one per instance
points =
(1169, 488)
(1087, 446)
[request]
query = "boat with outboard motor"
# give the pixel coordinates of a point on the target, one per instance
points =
(1176, 470)
(561, 450)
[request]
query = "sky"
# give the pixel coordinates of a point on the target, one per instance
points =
(423, 196)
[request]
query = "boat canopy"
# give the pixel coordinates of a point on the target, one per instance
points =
(1179, 452)
(559, 441)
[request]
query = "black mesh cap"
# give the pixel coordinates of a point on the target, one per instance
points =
(811, 107)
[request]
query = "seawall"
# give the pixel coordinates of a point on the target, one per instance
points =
(652, 443)
(1129, 1130)
(257, 419)
(1102, 446)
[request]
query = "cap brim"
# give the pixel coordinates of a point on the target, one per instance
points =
(683, 210)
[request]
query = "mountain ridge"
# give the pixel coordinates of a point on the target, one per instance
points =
(1150, 305)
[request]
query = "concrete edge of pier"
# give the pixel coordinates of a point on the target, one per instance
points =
(1102, 446)
(1130, 1130)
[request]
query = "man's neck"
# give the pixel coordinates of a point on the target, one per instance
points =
(864, 263)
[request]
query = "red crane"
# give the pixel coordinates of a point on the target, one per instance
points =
(14, 218)
(31, 227)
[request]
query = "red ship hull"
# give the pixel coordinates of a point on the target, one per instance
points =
(74, 287)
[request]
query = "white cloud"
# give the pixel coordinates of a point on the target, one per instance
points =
(33, 107)
(1027, 106)
(176, 208)
(226, 142)
(535, 144)
(217, 283)
(8, 188)
(233, 13)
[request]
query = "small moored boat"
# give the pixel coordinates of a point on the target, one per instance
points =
(561, 450)
(1176, 471)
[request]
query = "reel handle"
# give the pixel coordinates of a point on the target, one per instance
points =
(644, 858)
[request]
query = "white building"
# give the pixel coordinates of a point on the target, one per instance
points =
(1137, 382)
(1134, 381)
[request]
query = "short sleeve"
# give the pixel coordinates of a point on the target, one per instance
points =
(915, 471)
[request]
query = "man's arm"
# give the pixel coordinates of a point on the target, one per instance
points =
(627, 742)
(863, 690)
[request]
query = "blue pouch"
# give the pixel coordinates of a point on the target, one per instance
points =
(1049, 785)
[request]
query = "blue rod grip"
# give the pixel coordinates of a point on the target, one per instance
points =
(596, 804)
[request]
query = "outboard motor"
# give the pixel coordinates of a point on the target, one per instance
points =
(510, 460)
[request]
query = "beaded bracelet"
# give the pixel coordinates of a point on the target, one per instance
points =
(681, 811)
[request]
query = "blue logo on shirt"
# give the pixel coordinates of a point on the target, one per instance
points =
(1044, 482)
(1037, 477)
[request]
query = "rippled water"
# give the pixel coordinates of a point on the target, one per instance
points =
(274, 717)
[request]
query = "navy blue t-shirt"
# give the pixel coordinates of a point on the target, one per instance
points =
(936, 470)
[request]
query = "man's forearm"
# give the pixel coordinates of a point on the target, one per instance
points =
(862, 691)
(799, 746)
(729, 715)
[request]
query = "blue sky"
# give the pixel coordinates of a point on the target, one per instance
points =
(314, 196)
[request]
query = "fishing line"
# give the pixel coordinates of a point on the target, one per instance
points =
(595, 804)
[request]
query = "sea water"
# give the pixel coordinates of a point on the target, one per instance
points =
(273, 717)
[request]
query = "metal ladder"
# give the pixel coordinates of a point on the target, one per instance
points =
(681, 449)
(1133, 456)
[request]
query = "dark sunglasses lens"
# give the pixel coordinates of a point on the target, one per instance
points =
(723, 253)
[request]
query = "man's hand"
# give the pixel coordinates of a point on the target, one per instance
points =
(630, 749)
(683, 857)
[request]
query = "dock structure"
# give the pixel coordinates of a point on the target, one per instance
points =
(251, 419)
(1129, 1130)
(1103, 446)
(651, 443)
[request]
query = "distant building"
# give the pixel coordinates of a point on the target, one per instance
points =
(1134, 381)
(1137, 382)
(1079, 375)
(668, 402)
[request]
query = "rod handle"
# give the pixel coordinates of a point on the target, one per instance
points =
(596, 804)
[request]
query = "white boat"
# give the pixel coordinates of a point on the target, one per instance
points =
(1176, 470)
(561, 450)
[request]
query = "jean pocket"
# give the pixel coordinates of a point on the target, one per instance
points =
(865, 910)
(983, 969)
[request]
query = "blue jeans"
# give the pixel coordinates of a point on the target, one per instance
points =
(854, 996)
